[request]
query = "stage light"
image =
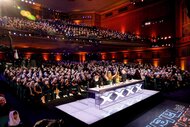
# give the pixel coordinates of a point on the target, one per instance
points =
(5, 1)
(18, 7)
(25, 13)
(31, 17)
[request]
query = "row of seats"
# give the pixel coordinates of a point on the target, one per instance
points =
(23, 93)
(164, 85)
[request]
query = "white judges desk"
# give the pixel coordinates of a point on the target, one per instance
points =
(110, 94)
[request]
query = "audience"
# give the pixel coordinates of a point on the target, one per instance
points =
(45, 27)
(73, 78)
(71, 30)
(40, 27)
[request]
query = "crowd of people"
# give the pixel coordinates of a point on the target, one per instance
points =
(39, 26)
(67, 29)
(82, 31)
(72, 30)
(73, 78)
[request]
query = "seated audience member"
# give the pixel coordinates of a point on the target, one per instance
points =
(137, 75)
(123, 75)
(2, 100)
(14, 119)
(74, 87)
(55, 87)
(4, 107)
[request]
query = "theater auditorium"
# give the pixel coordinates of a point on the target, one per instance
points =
(94, 63)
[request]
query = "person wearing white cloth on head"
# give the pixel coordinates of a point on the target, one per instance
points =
(14, 119)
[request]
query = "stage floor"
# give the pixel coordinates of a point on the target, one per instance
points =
(86, 111)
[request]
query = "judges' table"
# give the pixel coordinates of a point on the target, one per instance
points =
(109, 94)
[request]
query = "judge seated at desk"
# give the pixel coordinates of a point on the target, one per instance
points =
(109, 77)
(97, 81)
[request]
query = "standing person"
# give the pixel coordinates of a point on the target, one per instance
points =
(38, 92)
(16, 58)
(46, 90)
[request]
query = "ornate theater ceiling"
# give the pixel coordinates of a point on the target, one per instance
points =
(81, 5)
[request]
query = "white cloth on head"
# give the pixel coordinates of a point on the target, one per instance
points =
(12, 121)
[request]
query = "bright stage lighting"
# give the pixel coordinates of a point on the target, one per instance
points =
(27, 14)
(5, 1)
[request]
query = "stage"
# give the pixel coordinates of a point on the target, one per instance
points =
(87, 112)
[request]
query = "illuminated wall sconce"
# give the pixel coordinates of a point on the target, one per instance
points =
(58, 57)
(139, 61)
(103, 56)
(156, 62)
(77, 22)
(45, 56)
(28, 55)
(113, 55)
(82, 56)
(183, 64)
(123, 29)
(125, 55)
(125, 61)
